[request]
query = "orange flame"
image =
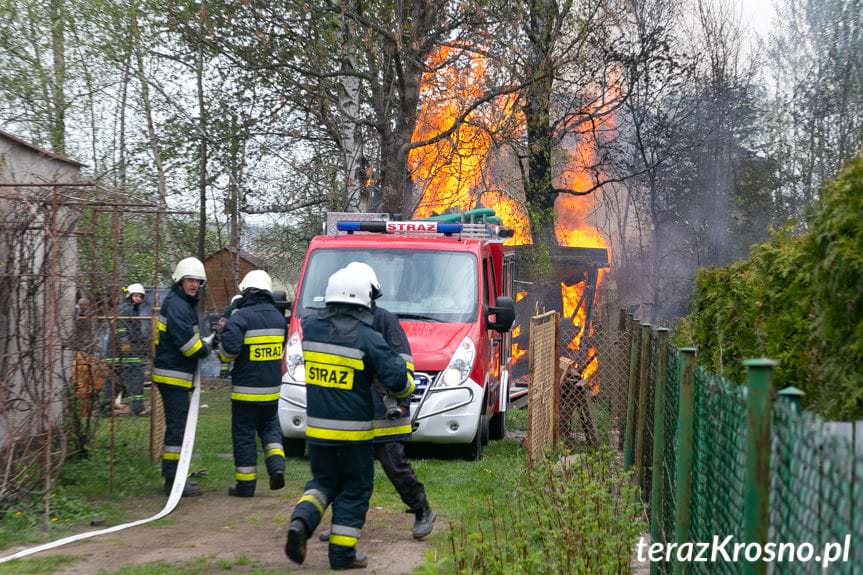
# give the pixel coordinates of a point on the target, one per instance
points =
(451, 170)
(520, 296)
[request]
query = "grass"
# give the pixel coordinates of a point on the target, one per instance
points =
(460, 491)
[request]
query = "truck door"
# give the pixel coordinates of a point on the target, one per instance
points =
(494, 338)
(506, 344)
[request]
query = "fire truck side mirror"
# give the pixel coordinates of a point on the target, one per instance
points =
(503, 311)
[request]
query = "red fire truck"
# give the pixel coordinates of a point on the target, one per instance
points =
(450, 285)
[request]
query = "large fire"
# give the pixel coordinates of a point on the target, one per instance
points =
(453, 172)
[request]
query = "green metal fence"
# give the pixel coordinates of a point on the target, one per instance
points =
(740, 460)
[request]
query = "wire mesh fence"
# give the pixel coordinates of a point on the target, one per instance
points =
(67, 249)
(707, 479)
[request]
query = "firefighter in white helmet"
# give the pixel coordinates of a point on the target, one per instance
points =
(343, 355)
(392, 422)
(126, 351)
(179, 346)
(254, 340)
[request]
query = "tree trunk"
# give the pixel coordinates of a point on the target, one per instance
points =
(202, 160)
(58, 91)
(148, 111)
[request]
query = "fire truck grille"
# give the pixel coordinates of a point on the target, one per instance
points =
(422, 380)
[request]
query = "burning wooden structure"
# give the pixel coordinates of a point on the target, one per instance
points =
(570, 287)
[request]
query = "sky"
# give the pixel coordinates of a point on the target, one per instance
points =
(758, 14)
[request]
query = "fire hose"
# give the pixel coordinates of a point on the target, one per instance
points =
(173, 498)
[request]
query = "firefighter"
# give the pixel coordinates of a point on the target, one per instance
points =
(392, 423)
(343, 354)
(127, 349)
(254, 340)
(179, 346)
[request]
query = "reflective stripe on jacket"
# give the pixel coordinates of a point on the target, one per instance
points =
(178, 340)
(254, 340)
(343, 355)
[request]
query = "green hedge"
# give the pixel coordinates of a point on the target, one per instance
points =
(797, 299)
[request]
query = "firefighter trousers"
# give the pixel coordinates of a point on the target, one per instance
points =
(400, 473)
(343, 475)
(176, 403)
(248, 422)
(128, 379)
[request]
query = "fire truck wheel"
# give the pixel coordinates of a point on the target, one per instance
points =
(294, 447)
(484, 425)
(473, 451)
(497, 426)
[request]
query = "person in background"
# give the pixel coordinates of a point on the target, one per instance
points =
(179, 347)
(343, 355)
(126, 352)
(254, 339)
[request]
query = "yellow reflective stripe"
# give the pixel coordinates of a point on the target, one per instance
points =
(194, 349)
(264, 339)
(313, 500)
(224, 358)
(332, 359)
(172, 381)
(275, 451)
(408, 390)
(161, 326)
(343, 540)
(255, 396)
(338, 434)
(171, 456)
(409, 365)
(399, 430)
(245, 476)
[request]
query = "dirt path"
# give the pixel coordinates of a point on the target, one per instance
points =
(218, 527)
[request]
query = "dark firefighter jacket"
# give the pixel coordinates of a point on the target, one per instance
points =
(178, 340)
(387, 324)
(343, 355)
(254, 340)
(129, 344)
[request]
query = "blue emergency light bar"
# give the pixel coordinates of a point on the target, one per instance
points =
(378, 226)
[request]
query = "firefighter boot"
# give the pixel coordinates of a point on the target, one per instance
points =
(241, 491)
(360, 562)
(191, 489)
(277, 480)
(295, 546)
(425, 518)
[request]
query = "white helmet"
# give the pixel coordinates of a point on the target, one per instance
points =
(257, 279)
(189, 268)
(346, 286)
(369, 272)
(135, 288)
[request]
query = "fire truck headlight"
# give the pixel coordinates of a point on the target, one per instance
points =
(294, 359)
(460, 365)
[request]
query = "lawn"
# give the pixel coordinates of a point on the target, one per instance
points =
(457, 488)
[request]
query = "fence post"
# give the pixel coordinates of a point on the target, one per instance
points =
(657, 519)
(792, 396)
(759, 404)
(643, 385)
(629, 431)
(685, 433)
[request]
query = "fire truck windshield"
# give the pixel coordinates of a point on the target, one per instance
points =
(418, 285)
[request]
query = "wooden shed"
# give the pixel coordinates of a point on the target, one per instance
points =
(222, 277)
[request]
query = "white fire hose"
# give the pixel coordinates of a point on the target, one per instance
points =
(173, 498)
